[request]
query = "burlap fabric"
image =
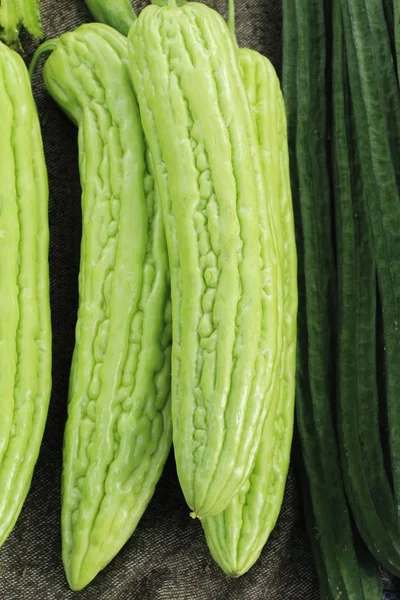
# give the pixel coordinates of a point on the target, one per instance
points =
(167, 558)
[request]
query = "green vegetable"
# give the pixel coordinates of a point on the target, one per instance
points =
(380, 35)
(116, 13)
(237, 536)
(370, 581)
(370, 573)
(305, 87)
(25, 348)
(165, 2)
(201, 134)
(118, 433)
(369, 84)
(17, 13)
(367, 486)
(396, 7)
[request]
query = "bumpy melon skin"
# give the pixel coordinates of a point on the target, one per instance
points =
(25, 326)
(118, 433)
(201, 133)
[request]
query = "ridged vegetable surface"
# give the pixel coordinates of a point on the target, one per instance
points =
(396, 8)
(25, 330)
(367, 485)
(118, 433)
(378, 142)
(237, 536)
(305, 75)
(201, 134)
(17, 13)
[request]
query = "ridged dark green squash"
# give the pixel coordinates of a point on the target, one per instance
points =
(396, 7)
(378, 143)
(306, 90)
(367, 486)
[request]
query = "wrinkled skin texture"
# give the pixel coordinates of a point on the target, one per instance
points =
(237, 536)
(118, 433)
(201, 133)
(25, 330)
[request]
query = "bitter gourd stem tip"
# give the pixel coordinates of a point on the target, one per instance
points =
(44, 48)
(194, 515)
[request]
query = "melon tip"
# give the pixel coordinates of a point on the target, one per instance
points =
(194, 515)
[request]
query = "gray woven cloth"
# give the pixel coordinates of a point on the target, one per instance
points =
(167, 557)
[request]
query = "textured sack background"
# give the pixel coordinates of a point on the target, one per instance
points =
(167, 558)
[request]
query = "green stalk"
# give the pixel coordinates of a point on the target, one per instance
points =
(45, 48)
(119, 14)
(165, 3)
(231, 17)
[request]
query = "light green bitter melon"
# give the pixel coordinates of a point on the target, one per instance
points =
(237, 536)
(118, 433)
(25, 328)
(201, 134)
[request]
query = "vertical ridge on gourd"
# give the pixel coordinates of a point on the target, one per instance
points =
(396, 11)
(379, 167)
(200, 131)
(305, 77)
(380, 36)
(366, 482)
(118, 433)
(237, 536)
(25, 330)
(15, 14)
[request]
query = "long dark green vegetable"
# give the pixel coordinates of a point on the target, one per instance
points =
(396, 7)
(375, 147)
(386, 72)
(305, 86)
(366, 482)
